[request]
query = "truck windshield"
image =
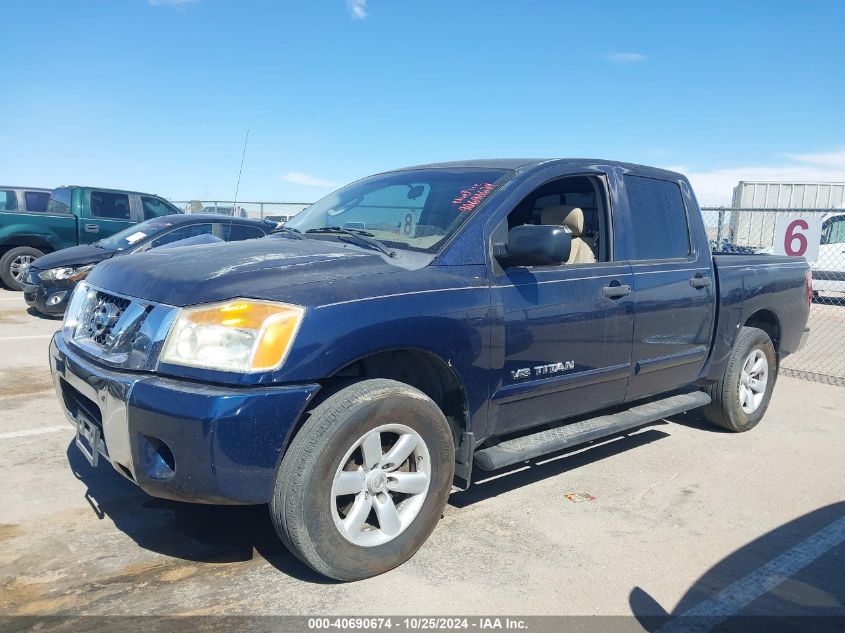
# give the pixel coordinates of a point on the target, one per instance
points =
(414, 209)
(134, 234)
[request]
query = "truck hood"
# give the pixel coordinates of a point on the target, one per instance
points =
(73, 256)
(260, 269)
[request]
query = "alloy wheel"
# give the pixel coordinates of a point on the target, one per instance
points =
(380, 485)
(753, 381)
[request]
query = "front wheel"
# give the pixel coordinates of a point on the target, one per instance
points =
(365, 480)
(14, 265)
(742, 396)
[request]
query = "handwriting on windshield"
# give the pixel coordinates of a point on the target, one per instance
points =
(472, 196)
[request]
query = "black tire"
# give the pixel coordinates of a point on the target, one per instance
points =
(11, 257)
(725, 410)
(303, 507)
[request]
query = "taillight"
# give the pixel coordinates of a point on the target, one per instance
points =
(809, 279)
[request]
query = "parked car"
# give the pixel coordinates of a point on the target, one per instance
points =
(51, 277)
(724, 246)
(829, 268)
(348, 378)
(18, 200)
(74, 215)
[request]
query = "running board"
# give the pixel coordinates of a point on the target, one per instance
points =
(522, 448)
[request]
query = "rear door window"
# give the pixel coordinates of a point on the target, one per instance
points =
(36, 201)
(237, 232)
(109, 205)
(8, 200)
(182, 233)
(59, 200)
(659, 228)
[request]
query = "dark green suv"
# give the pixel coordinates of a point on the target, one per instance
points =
(36, 221)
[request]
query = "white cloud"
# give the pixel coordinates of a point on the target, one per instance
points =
(625, 57)
(306, 180)
(357, 8)
(834, 159)
(714, 187)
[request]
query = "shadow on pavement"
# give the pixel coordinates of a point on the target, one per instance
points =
(695, 420)
(790, 579)
(193, 532)
(226, 534)
(551, 465)
(46, 317)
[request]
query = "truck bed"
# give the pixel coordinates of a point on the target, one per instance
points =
(770, 288)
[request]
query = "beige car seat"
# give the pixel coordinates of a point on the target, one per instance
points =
(573, 219)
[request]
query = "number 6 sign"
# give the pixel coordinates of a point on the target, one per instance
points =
(798, 237)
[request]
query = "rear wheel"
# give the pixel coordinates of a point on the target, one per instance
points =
(741, 397)
(365, 480)
(14, 264)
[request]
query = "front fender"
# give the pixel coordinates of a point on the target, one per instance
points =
(451, 324)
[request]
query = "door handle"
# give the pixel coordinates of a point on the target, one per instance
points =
(615, 290)
(699, 281)
(92, 228)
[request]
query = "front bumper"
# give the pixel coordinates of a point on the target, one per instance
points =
(44, 298)
(178, 439)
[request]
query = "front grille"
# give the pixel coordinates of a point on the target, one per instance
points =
(117, 330)
(105, 313)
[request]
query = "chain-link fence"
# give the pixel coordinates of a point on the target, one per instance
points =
(278, 211)
(755, 231)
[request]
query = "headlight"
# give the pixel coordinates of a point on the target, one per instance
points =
(73, 273)
(82, 295)
(240, 335)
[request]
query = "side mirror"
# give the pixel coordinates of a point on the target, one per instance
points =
(535, 245)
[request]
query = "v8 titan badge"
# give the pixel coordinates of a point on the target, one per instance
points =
(543, 370)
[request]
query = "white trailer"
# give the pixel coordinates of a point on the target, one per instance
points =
(756, 229)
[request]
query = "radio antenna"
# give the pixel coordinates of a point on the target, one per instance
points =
(240, 171)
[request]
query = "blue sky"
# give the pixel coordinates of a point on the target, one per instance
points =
(157, 95)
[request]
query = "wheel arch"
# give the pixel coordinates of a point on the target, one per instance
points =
(421, 369)
(32, 241)
(767, 321)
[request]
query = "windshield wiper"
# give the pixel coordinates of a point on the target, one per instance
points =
(358, 236)
(288, 231)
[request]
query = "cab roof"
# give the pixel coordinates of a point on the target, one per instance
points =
(529, 164)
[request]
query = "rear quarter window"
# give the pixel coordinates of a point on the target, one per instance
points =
(659, 227)
(8, 200)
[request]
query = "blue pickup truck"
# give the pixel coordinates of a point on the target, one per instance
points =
(352, 369)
